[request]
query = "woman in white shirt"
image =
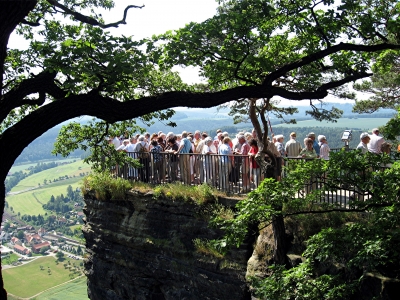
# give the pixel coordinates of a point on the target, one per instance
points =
(324, 148)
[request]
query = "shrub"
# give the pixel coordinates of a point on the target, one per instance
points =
(106, 186)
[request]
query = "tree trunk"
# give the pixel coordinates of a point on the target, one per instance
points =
(11, 14)
(280, 241)
(278, 226)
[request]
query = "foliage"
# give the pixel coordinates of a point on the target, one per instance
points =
(106, 186)
(199, 194)
(208, 247)
(351, 246)
(384, 86)
(282, 44)
(300, 283)
(392, 128)
(64, 204)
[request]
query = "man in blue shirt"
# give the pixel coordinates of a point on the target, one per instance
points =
(184, 160)
(311, 135)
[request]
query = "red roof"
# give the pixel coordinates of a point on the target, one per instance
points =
(41, 245)
(20, 248)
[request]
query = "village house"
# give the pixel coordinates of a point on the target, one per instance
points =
(27, 228)
(5, 236)
(32, 239)
(16, 241)
(37, 247)
(22, 250)
(62, 221)
(41, 231)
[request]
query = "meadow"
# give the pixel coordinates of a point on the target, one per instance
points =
(76, 290)
(18, 281)
(50, 174)
(22, 167)
(31, 201)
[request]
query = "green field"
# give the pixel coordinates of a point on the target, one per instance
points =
(68, 169)
(9, 259)
(359, 123)
(17, 168)
(76, 290)
(31, 202)
(18, 281)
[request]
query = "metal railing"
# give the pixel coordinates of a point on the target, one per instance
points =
(223, 172)
(233, 174)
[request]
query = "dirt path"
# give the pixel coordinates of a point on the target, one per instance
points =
(22, 191)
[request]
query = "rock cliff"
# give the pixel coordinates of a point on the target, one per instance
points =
(142, 248)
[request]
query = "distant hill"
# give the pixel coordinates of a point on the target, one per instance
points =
(208, 119)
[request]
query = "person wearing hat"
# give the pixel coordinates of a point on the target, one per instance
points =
(364, 140)
(375, 142)
(293, 147)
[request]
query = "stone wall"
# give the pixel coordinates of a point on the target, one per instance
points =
(142, 248)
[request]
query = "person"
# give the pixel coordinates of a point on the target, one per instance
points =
(191, 157)
(208, 162)
(324, 148)
(216, 137)
(245, 165)
(184, 160)
(157, 165)
(363, 145)
(311, 136)
(116, 142)
(293, 147)
(308, 151)
(172, 148)
(279, 158)
(141, 149)
(375, 142)
(386, 148)
(124, 145)
(225, 163)
(255, 170)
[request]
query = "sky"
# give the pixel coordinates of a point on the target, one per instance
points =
(156, 17)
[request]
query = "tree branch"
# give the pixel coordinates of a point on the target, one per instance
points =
(42, 83)
(323, 53)
(89, 20)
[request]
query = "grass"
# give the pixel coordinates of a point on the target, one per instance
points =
(361, 123)
(22, 167)
(9, 259)
(200, 194)
(76, 290)
(18, 281)
(50, 174)
(73, 227)
(31, 202)
(25, 204)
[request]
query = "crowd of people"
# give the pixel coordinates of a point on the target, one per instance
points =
(196, 158)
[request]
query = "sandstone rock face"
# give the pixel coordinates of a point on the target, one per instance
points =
(142, 248)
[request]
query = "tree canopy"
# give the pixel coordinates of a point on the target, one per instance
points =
(299, 50)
